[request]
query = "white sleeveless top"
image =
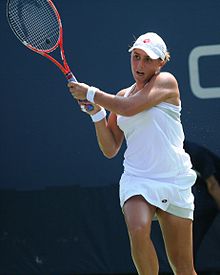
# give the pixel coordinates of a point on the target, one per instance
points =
(154, 140)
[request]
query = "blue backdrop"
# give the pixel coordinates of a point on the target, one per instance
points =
(45, 139)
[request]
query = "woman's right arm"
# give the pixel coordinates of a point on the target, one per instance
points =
(109, 135)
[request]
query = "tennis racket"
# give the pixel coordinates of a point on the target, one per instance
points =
(37, 24)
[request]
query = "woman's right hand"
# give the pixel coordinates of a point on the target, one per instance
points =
(84, 107)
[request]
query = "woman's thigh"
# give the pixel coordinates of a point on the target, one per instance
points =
(177, 234)
(138, 213)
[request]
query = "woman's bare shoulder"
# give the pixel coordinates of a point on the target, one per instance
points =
(168, 83)
(166, 78)
(123, 91)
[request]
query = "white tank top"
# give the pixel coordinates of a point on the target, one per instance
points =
(154, 140)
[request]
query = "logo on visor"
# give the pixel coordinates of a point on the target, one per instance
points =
(164, 200)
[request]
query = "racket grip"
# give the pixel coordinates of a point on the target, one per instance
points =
(71, 78)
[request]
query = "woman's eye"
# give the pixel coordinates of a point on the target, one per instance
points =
(137, 57)
(148, 59)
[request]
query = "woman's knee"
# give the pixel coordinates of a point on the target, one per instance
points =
(139, 229)
(138, 215)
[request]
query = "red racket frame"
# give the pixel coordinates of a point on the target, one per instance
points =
(65, 67)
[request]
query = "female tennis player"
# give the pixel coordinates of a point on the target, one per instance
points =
(157, 177)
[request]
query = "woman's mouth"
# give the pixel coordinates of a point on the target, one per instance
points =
(139, 73)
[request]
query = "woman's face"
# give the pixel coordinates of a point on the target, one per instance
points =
(143, 67)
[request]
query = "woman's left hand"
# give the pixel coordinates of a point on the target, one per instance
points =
(78, 90)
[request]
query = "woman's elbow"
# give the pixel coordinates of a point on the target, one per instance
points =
(109, 152)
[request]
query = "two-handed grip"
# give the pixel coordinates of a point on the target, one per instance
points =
(71, 78)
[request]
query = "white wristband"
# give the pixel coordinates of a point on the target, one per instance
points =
(91, 94)
(99, 115)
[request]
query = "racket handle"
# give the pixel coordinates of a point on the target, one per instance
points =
(71, 78)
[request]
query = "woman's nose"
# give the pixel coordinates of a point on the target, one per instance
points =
(140, 65)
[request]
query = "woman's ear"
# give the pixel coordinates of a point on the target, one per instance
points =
(162, 63)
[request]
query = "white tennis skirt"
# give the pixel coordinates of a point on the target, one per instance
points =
(171, 195)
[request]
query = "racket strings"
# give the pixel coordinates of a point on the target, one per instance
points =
(35, 23)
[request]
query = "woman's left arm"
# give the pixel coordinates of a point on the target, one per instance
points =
(162, 87)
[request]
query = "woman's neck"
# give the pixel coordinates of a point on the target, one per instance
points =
(141, 84)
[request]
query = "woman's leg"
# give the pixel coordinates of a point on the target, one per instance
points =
(138, 216)
(177, 234)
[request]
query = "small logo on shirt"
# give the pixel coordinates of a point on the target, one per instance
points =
(164, 201)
